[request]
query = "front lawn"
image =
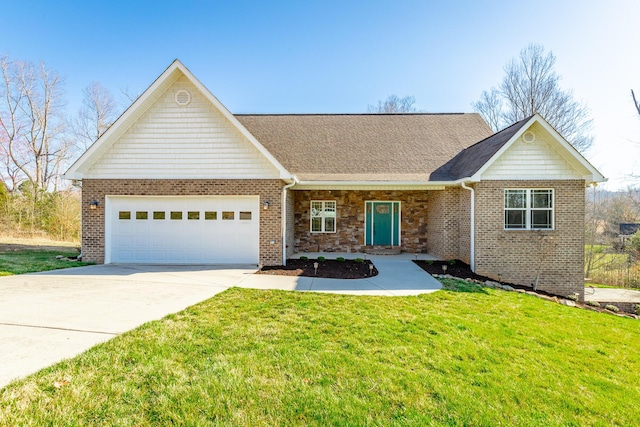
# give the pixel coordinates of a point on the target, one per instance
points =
(264, 358)
(33, 260)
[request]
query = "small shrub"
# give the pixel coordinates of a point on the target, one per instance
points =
(451, 262)
(321, 258)
(359, 260)
(304, 258)
(340, 259)
(593, 303)
(611, 308)
(573, 297)
(429, 262)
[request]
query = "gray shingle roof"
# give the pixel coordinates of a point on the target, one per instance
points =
(356, 147)
(628, 229)
(471, 159)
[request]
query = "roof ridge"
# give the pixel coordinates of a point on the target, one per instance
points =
(352, 114)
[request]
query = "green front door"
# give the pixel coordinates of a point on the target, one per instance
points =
(382, 223)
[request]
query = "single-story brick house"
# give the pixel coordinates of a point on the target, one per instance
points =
(179, 179)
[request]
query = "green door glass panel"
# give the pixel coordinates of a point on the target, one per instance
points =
(368, 238)
(396, 224)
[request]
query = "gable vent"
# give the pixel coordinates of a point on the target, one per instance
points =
(183, 97)
(528, 136)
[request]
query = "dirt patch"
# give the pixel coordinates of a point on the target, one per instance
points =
(329, 269)
(14, 247)
(17, 244)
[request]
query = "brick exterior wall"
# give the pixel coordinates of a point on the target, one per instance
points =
(450, 223)
(350, 216)
(518, 256)
(290, 223)
(93, 221)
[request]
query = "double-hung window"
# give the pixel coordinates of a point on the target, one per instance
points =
(528, 209)
(323, 216)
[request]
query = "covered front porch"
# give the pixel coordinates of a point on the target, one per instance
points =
(433, 223)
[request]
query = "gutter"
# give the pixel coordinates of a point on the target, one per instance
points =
(372, 183)
(472, 237)
(284, 218)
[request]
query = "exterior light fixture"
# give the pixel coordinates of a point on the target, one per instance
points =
(315, 267)
(265, 205)
(444, 268)
(93, 205)
(370, 269)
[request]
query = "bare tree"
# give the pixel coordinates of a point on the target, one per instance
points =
(97, 113)
(530, 86)
(635, 102)
(394, 104)
(32, 122)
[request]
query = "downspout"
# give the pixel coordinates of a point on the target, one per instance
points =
(472, 249)
(284, 219)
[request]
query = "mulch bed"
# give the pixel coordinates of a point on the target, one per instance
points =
(462, 270)
(330, 269)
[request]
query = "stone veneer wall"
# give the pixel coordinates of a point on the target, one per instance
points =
(517, 256)
(350, 206)
(93, 221)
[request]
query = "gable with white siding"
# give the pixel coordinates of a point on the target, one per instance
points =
(542, 158)
(193, 141)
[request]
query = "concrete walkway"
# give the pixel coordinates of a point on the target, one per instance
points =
(397, 276)
(47, 317)
(611, 295)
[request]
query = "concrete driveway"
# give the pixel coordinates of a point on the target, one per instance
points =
(47, 317)
(50, 316)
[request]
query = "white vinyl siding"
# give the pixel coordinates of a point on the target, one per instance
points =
(528, 209)
(193, 141)
(323, 216)
(534, 160)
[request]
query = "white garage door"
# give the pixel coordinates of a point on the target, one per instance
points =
(183, 230)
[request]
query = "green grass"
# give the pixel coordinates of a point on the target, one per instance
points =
(461, 357)
(597, 249)
(31, 261)
(601, 285)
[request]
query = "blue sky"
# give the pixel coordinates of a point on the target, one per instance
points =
(340, 56)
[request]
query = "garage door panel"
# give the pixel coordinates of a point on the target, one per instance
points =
(199, 236)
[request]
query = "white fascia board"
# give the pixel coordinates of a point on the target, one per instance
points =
(477, 176)
(284, 174)
(334, 185)
(76, 171)
(594, 175)
(101, 144)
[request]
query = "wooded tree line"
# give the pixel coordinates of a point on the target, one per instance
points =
(38, 140)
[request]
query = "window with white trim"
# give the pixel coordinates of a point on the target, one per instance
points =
(528, 209)
(323, 216)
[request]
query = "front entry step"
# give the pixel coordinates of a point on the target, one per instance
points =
(382, 250)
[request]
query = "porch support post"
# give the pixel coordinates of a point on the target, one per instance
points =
(283, 213)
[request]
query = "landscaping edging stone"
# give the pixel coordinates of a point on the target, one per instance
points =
(559, 300)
